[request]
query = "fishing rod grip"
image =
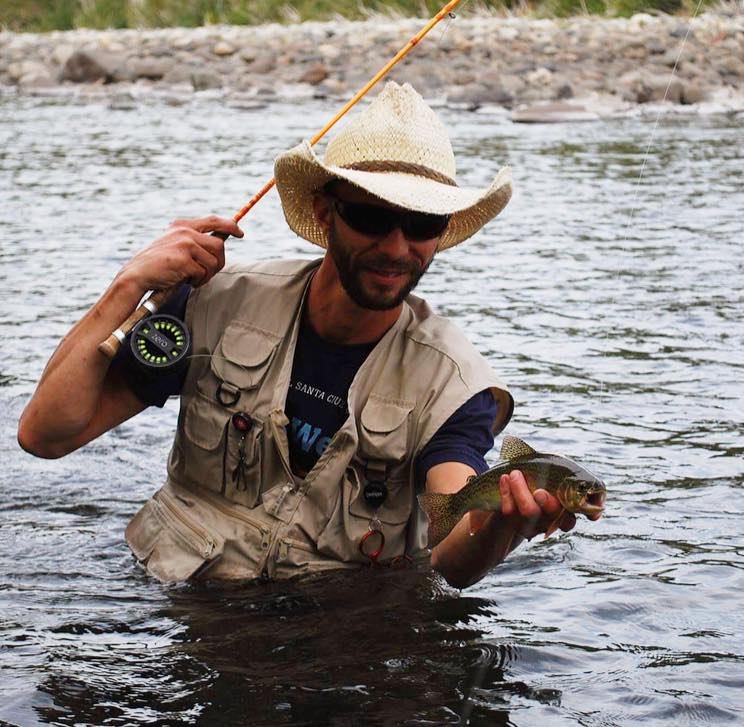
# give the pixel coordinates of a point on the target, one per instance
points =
(111, 345)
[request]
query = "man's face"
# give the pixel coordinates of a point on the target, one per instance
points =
(377, 272)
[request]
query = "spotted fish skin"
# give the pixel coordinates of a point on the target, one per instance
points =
(577, 489)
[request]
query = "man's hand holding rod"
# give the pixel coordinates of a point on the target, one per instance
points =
(77, 399)
(186, 247)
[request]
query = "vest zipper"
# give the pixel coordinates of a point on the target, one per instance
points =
(239, 516)
(207, 542)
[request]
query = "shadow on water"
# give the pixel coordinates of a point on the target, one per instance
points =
(397, 648)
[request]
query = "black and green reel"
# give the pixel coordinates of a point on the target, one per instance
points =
(160, 344)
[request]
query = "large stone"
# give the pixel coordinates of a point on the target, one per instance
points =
(635, 51)
(329, 51)
(731, 66)
(179, 73)
(655, 47)
(223, 48)
(152, 69)
(18, 70)
(642, 87)
(552, 113)
(678, 57)
(37, 79)
(205, 80)
(185, 42)
(334, 87)
(692, 93)
(62, 53)
(160, 50)
(87, 66)
(314, 75)
(540, 77)
(682, 30)
(474, 95)
(263, 64)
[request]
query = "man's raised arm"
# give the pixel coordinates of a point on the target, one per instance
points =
(79, 396)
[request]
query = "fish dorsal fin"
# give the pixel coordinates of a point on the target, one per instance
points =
(514, 447)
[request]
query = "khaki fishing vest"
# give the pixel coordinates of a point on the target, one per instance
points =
(205, 523)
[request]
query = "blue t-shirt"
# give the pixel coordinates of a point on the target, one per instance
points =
(316, 404)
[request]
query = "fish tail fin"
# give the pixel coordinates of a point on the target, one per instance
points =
(442, 511)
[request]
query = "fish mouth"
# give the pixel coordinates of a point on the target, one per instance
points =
(593, 505)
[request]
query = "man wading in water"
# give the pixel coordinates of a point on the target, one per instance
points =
(321, 397)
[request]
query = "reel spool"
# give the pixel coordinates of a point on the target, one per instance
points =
(160, 344)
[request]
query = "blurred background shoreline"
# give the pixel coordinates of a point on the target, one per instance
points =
(488, 55)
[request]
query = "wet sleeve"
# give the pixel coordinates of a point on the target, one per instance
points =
(154, 390)
(465, 437)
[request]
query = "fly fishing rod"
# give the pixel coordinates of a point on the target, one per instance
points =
(159, 347)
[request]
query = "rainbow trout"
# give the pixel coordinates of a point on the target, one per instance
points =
(577, 489)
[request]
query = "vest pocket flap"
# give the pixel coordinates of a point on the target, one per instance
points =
(244, 352)
(204, 422)
(171, 547)
(384, 415)
(383, 433)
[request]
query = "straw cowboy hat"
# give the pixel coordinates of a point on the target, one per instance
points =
(398, 150)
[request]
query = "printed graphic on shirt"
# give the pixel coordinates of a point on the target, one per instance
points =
(314, 391)
(316, 404)
(308, 437)
(315, 415)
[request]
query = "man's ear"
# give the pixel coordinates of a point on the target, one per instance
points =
(322, 210)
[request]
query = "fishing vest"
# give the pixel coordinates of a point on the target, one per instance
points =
(206, 522)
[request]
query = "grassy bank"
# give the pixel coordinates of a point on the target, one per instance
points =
(44, 15)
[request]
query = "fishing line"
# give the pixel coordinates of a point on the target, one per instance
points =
(639, 180)
(450, 17)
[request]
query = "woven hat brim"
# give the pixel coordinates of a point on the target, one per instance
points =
(299, 173)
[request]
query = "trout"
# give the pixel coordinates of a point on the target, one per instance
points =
(577, 489)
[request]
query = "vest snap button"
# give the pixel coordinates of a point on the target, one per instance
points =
(242, 422)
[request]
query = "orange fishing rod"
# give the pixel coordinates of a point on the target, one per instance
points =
(111, 345)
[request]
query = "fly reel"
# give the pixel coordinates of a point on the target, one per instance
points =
(160, 344)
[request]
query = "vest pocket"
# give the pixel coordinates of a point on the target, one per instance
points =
(395, 510)
(351, 520)
(244, 355)
(205, 425)
(224, 459)
(169, 543)
(383, 434)
(383, 445)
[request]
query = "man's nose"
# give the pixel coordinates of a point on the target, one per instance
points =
(394, 244)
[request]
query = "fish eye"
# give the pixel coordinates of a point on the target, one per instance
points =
(582, 487)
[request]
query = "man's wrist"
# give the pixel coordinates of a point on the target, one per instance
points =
(124, 288)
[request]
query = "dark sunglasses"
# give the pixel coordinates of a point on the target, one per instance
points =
(375, 221)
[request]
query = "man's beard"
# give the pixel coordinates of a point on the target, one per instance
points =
(350, 272)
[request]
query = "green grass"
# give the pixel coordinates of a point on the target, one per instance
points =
(43, 15)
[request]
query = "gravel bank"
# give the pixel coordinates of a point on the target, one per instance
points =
(582, 65)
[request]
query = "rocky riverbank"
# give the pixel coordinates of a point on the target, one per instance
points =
(581, 65)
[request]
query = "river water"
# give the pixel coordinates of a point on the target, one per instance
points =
(612, 306)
